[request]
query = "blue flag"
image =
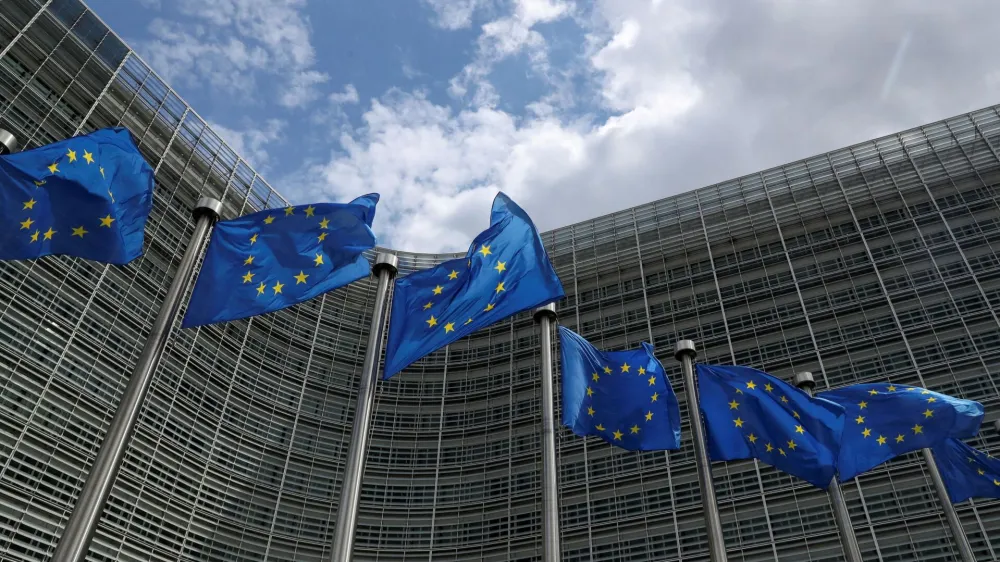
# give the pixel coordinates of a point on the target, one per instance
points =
(622, 397)
(885, 420)
(505, 271)
(967, 472)
(86, 196)
(750, 414)
(274, 259)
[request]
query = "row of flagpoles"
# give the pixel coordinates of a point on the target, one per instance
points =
(435, 307)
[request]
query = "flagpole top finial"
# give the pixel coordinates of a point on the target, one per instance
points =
(548, 310)
(8, 142)
(684, 347)
(385, 260)
(805, 381)
(209, 206)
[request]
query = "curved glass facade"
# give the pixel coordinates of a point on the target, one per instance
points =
(867, 263)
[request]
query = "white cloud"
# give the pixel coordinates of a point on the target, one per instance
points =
(348, 96)
(251, 142)
(302, 88)
(456, 14)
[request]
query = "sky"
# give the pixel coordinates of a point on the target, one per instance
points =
(573, 108)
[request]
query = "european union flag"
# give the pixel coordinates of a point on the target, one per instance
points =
(505, 271)
(885, 420)
(274, 259)
(622, 397)
(87, 197)
(967, 473)
(750, 414)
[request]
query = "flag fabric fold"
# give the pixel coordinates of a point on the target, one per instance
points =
(505, 271)
(87, 196)
(967, 472)
(750, 414)
(623, 397)
(885, 420)
(277, 258)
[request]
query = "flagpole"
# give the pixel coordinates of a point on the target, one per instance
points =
(957, 531)
(79, 531)
(685, 352)
(385, 268)
(852, 552)
(8, 142)
(551, 546)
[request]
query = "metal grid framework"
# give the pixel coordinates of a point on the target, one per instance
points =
(869, 263)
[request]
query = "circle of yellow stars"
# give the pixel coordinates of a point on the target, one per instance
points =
(302, 277)
(29, 205)
(865, 406)
(454, 276)
(738, 422)
(617, 434)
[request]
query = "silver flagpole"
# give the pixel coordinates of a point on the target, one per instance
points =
(957, 531)
(385, 268)
(8, 142)
(852, 552)
(75, 540)
(552, 546)
(685, 353)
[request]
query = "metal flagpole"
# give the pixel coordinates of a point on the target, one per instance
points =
(957, 531)
(385, 268)
(685, 353)
(8, 142)
(75, 540)
(552, 546)
(852, 552)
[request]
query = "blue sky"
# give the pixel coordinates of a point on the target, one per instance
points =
(575, 109)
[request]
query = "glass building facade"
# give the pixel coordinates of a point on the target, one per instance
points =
(875, 262)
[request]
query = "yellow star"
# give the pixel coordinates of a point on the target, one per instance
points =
(892, 388)
(649, 416)
(48, 233)
(29, 204)
(469, 321)
(278, 285)
(928, 414)
(310, 211)
(738, 422)
(799, 429)
(918, 429)
(319, 259)
(488, 308)
(734, 405)
(768, 387)
(101, 169)
(600, 427)
(751, 385)
(635, 429)
(321, 237)
(432, 322)
(873, 392)
(792, 445)
(34, 237)
(438, 289)
(289, 210)
(449, 327)
(899, 439)
(625, 367)
(39, 184)
(881, 440)
(428, 305)
(27, 224)
(769, 447)
(863, 405)
(453, 275)
(752, 438)
(253, 239)
(782, 451)
(54, 167)
(931, 400)
(738, 391)
(860, 420)
(301, 277)
(79, 231)
(500, 286)
(88, 157)
(248, 277)
(607, 370)
(642, 370)
(925, 391)
(867, 433)
(260, 289)
(981, 471)
(485, 251)
(618, 435)
(795, 414)
(784, 400)
(324, 224)
(655, 396)
(501, 267)
(595, 377)
(72, 156)
(996, 482)
(106, 221)
(652, 381)
(590, 391)
(248, 261)
(590, 410)
(269, 219)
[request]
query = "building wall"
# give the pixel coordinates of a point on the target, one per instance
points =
(876, 262)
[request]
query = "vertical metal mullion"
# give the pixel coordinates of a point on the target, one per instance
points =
(100, 96)
(437, 462)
